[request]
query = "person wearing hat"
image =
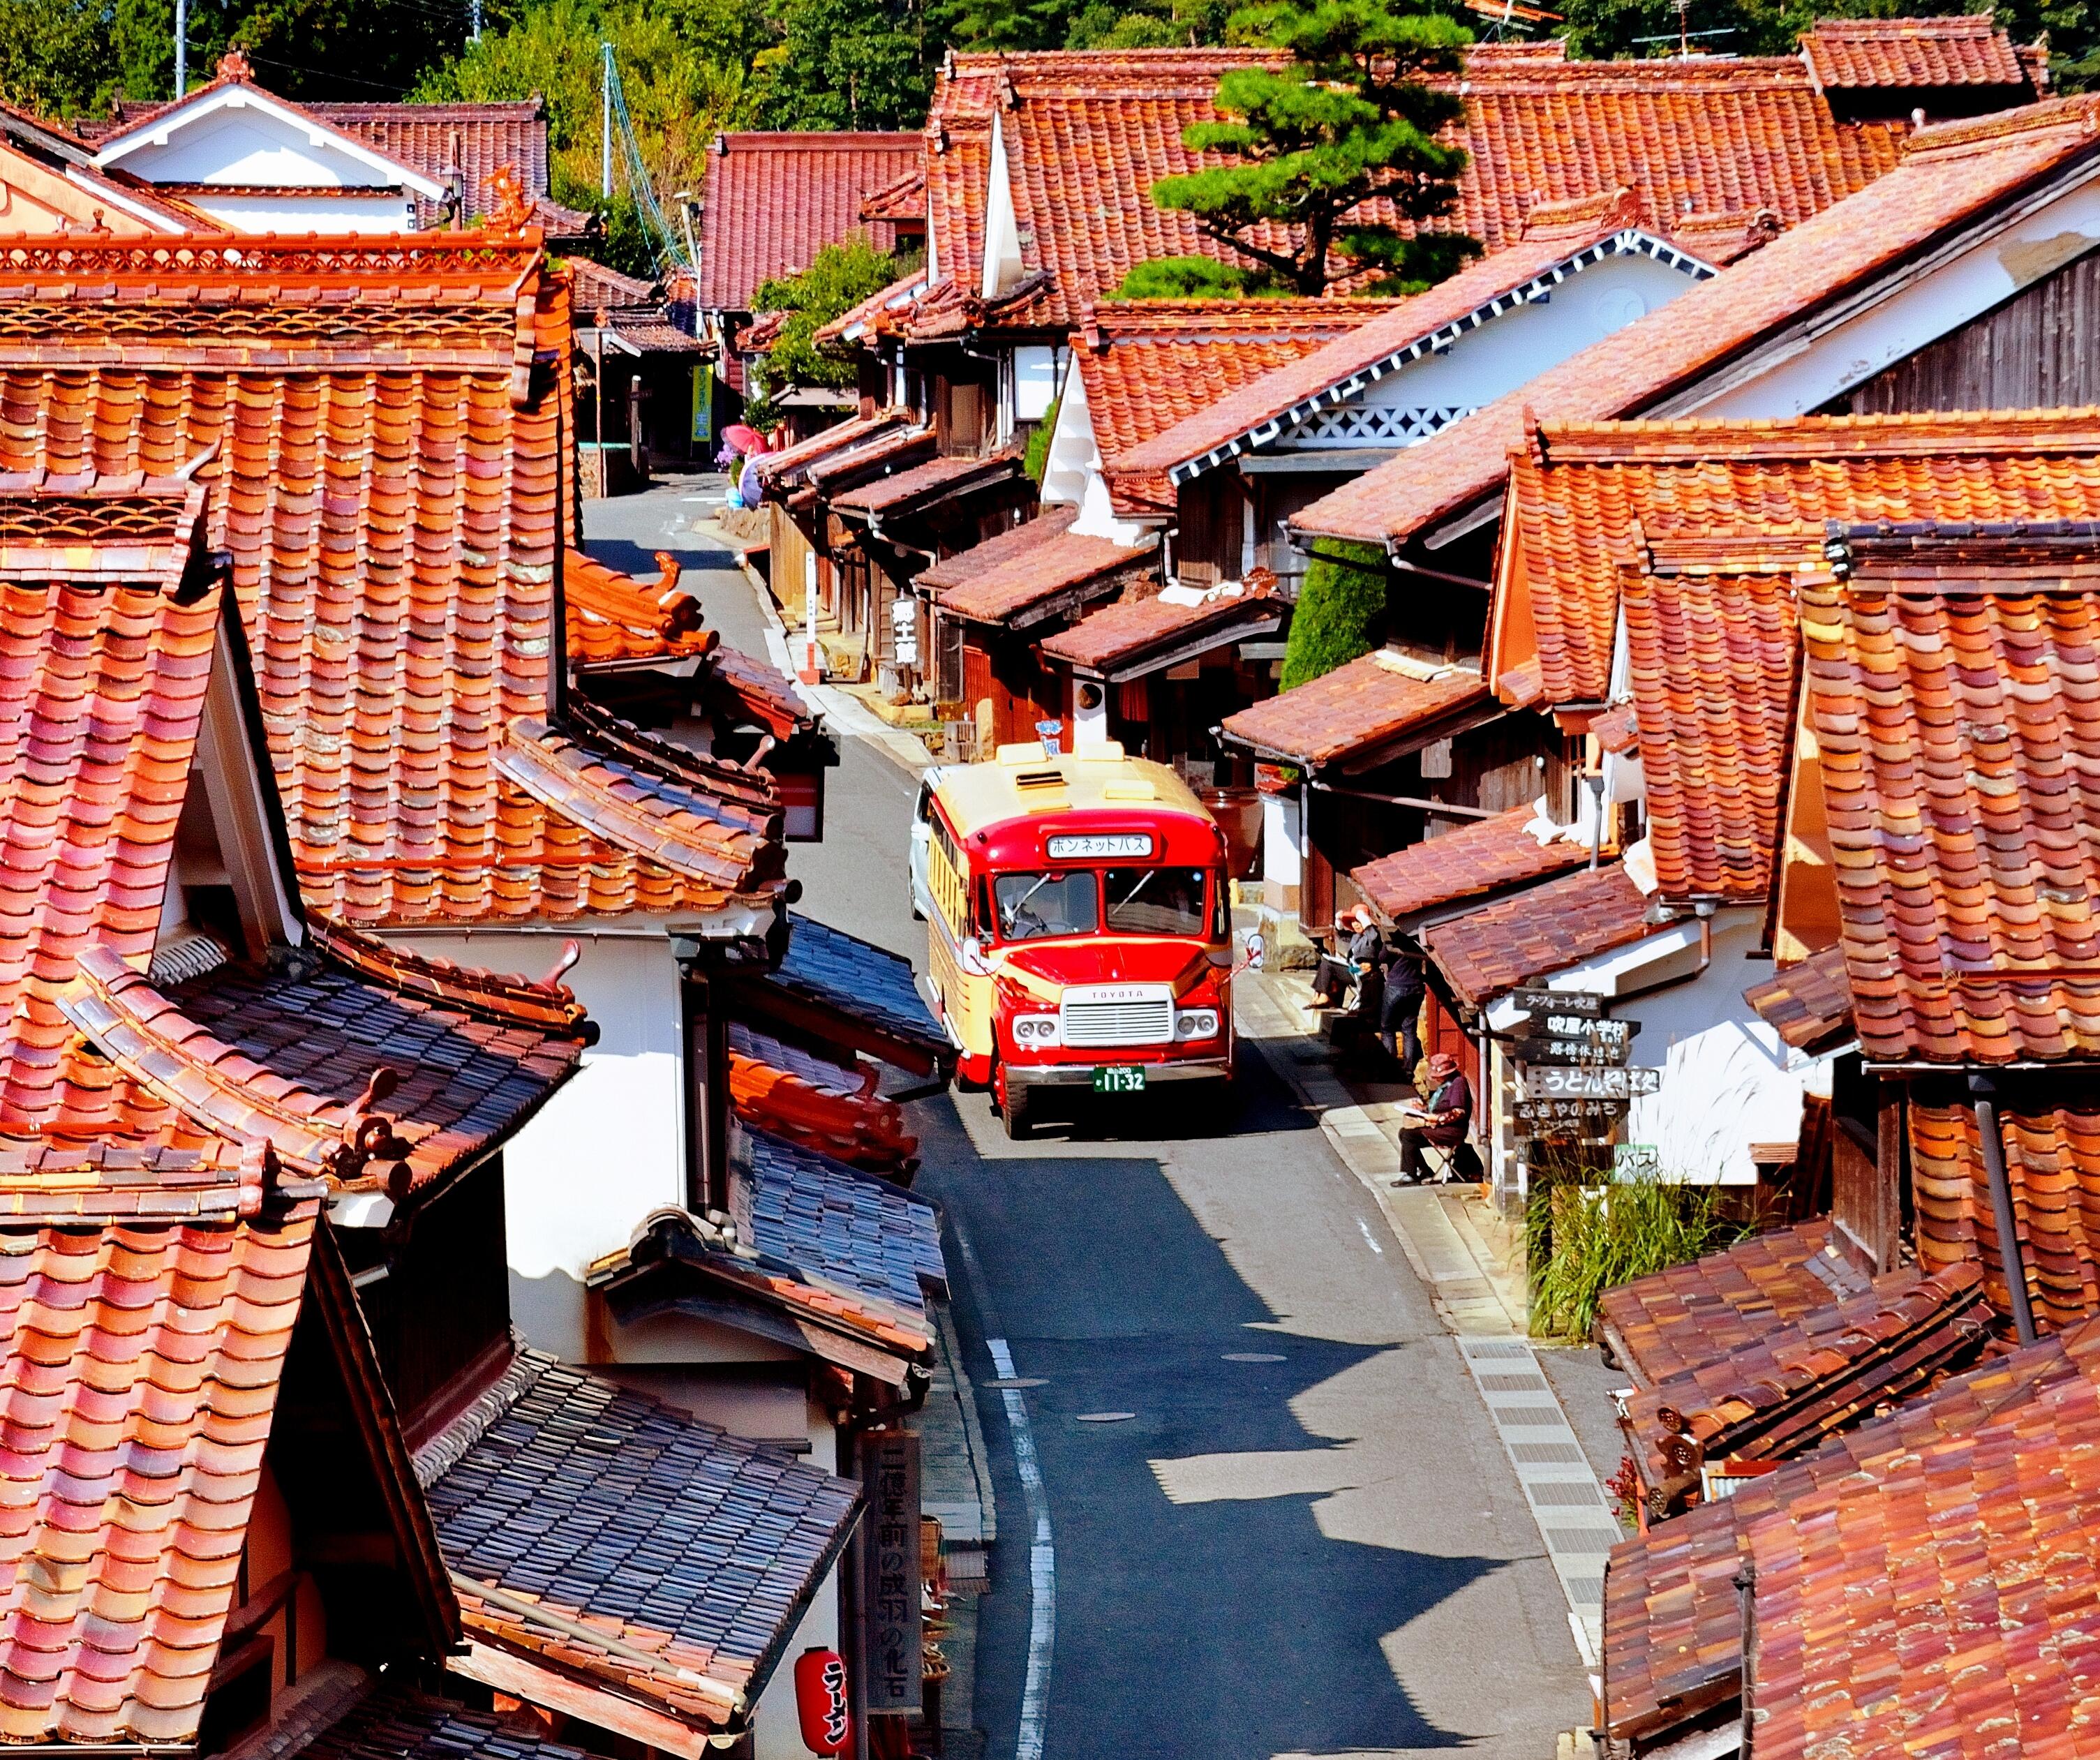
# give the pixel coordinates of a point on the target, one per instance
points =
(1443, 1121)
(1357, 946)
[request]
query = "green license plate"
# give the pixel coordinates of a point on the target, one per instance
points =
(1128, 1079)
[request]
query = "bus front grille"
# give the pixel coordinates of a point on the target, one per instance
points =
(1149, 1021)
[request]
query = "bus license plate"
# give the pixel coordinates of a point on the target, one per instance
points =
(1123, 1080)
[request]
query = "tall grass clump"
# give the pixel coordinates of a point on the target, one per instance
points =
(1583, 1241)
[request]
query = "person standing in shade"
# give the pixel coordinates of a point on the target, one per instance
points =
(1442, 1120)
(1400, 1011)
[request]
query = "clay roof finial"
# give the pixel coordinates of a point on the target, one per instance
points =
(512, 210)
(234, 64)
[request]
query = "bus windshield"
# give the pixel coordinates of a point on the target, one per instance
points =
(1156, 901)
(1031, 906)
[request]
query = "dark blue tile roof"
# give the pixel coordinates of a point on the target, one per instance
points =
(834, 1222)
(857, 978)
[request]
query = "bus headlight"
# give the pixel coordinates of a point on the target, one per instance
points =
(1196, 1023)
(1032, 1030)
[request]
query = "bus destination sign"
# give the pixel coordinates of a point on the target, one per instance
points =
(1099, 846)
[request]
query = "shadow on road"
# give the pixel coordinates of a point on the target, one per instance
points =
(1204, 1608)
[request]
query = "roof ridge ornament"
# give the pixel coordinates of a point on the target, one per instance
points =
(235, 65)
(511, 211)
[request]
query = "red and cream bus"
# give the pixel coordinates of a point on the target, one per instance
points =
(1079, 922)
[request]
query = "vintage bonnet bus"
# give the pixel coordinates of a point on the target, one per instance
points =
(1079, 923)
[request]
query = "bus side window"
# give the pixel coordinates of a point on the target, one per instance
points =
(1221, 911)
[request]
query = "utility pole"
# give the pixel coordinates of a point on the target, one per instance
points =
(605, 123)
(182, 47)
(474, 11)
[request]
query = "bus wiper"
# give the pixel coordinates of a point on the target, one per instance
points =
(1022, 905)
(1145, 880)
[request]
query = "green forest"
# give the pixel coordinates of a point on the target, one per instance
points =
(692, 68)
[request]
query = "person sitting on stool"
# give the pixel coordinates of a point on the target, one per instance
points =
(1355, 949)
(1442, 1122)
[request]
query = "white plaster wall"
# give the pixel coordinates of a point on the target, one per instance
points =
(1072, 471)
(242, 143)
(1799, 373)
(293, 216)
(1727, 1082)
(776, 1730)
(1507, 351)
(609, 1147)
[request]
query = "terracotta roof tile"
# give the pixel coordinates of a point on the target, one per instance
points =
(614, 620)
(1031, 582)
(1942, 1601)
(559, 1491)
(1087, 135)
(783, 1091)
(774, 201)
(1563, 237)
(1673, 1616)
(1970, 49)
(1376, 707)
(471, 142)
(996, 551)
(1950, 173)
(2053, 1163)
(1681, 1321)
(382, 390)
(1486, 857)
(1694, 529)
(1787, 1392)
(142, 1366)
(1809, 1005)
(1550, 927)
(898, 494)
(593, 288)
(1957, 807)
(1149, 366)
(1137, 635)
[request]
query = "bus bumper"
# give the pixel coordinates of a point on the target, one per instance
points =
(1032, 1075)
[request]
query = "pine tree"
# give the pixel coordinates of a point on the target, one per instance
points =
(1352, 119)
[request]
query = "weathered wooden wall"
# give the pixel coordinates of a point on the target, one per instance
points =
(2040, 349)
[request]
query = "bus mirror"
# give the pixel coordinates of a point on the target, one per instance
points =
(1257, 949)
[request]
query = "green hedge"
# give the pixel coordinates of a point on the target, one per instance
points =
(1338, 610)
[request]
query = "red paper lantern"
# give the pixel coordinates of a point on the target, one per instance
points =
(820, 1701)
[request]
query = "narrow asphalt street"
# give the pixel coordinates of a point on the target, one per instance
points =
(1272, 1515)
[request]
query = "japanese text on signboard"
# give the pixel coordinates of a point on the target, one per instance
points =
(889, 1555)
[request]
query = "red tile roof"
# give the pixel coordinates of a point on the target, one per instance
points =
(774, 201)
(142, 1359)
(1950, 173)
(2053, 1163)
(1378, 707)
(1032, 582)
(359, 395)
(1545, 930)
(1148, 365)
(910, 485)
(1088, 133)
(1559, 237)
(613, 619)
(1957, 807)
(820, 1105)
(996, 550)
(1786, 1392)
(1684, 1320)
(1486, 857)
(593, 288)
(1672, 1613)
(1943, 1601)
(1694, 529)
(468, 143)
(1140, 635)
(1967, 50)
(1809, 1005)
